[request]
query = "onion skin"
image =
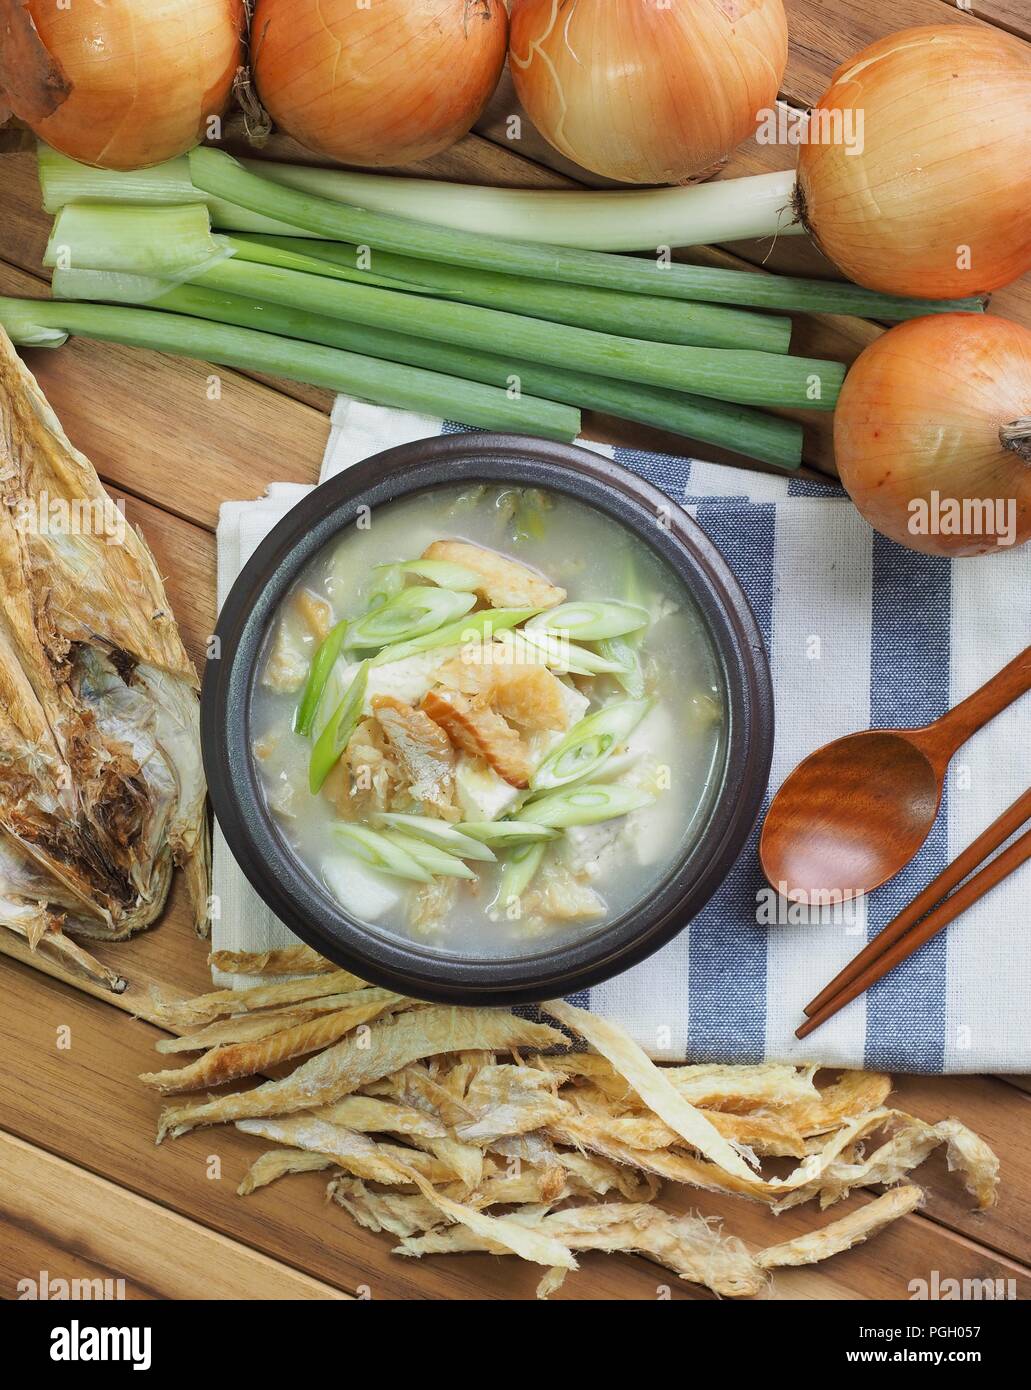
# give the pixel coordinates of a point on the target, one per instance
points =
(383, 86)
(643, 93)
(921, 412)
(946, 165)
(122, 84)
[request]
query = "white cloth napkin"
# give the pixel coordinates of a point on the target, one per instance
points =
(860, 633)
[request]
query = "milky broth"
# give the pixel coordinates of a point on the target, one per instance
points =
(676, 752)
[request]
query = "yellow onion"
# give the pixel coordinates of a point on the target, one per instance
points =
(390, 83)
(932, 434)
(119, 83)
(646, 92)
(938, 203)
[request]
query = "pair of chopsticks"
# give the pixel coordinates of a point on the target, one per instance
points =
(918, 923)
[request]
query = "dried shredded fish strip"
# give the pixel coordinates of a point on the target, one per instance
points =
(842, 1235)
(354, 1152)
(370, 1115)
(854, 1093)
(51, 941)
(184, 1014)
(348, 1065)
(287, 960)
(278, 1163)
(229, 1063)
(736, 1089)
(396, 1214)
(911, 1143)
(653, 1088)
(241, 1028)
(691, 1247)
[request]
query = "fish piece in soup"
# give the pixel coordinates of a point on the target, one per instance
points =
(422, 749)
(315, 612)
(483, 732)
(505, 583)
(524, 694)
(368, 777)
(287, 667)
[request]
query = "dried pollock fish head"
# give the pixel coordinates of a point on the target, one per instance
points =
(101, 783)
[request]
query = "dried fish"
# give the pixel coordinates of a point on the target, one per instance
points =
(505, 583)
(524, 693)
(652, 1086)
(842, 1235)
(482, 733)
(692, 1247)
(287, 960)
(346, 1149)
(422, 748)
(221, 1003)
(348, 1065)
(229, 1063)
(101, 784)
(277, 1163)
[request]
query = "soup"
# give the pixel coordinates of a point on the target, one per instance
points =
(488, 719)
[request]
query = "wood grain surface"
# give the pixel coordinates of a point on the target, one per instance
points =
(83, 1191)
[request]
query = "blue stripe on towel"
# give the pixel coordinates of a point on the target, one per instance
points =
(727, 974)
(661, 470)
(909, 686)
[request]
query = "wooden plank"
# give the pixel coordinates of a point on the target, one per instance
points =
(1012, 15)
(151, 1246)
(100, 1118)
(28, 1257)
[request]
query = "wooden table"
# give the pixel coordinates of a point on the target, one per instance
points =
(83, 1191)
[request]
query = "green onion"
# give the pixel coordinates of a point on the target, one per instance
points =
(607, 311)
(172, 242)
(387, 584)
(380, 852)
(439, 833)
(562, 655)
(412, 613)
(437, 861)
(751, 378)
(588, 744)
(631, 677)
(585, 805)
(335, 737)
(218, 173)
(520, 867)
(590, 622)
(318, 676)
(444, 573)
(45, 323)
(506, 833)
(475, 628)
(749, 432)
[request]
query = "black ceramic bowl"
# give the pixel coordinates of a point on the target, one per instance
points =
(297, 898)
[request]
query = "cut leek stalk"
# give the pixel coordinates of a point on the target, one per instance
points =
(591, 621)
(412, 613)
(380, 852)
(318, 677)
(337, 734)
(438, 832)
(585, 805)
(588, 744)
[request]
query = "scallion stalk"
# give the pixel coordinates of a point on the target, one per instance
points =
(47, 322)
(218, 173)
(748, 432)
(606, 311)
(166, 241)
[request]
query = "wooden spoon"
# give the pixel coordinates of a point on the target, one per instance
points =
(856, 811)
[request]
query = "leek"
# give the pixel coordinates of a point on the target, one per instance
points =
(585, 805)
(747, 431)
(588, 744)
(413, 613)
(48, 323)
(379, 852)
(218, 173)
(337, 734)
(607, 311)
(506, 833)
(436, 860)
(439, 833)
(172, 242)
(318, 678)
(618, 220)
(478, 627)
(590, 621)
(521, 865)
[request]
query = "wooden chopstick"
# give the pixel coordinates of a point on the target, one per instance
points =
(986, 843)
(896, 942)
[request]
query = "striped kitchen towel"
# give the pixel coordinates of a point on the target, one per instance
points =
(861, 633)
